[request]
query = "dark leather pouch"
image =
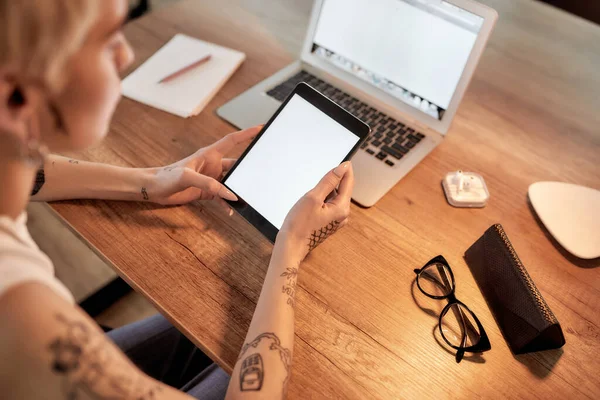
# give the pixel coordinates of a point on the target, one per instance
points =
(525, 319)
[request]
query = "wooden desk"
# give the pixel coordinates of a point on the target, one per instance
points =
(531, 114)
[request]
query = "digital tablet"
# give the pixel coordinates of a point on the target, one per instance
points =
(307, 137)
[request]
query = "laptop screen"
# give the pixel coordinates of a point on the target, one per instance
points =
(415, 50)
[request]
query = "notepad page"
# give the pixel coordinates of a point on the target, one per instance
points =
(187, 94)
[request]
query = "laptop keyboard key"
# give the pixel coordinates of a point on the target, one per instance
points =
(370, 151)
(392, 152)
(399, 148)
(381, 155)
(389, 162)
(413, 138)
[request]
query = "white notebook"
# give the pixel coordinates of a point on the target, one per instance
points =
(189, 93)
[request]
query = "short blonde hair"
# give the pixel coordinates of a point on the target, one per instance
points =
(37, 37)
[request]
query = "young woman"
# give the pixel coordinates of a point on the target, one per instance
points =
(59, 85)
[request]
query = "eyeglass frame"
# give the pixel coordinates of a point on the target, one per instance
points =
(484, 343)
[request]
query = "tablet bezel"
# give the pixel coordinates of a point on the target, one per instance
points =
(325, 105)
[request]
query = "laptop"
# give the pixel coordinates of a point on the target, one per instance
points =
(401, 66)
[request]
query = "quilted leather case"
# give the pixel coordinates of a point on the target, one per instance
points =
(525, 319)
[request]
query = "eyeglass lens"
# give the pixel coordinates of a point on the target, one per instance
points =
(458, 327)
(435, 280)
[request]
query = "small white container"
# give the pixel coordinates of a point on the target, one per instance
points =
(465, 189)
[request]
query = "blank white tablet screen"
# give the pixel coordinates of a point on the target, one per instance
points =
(300, 146)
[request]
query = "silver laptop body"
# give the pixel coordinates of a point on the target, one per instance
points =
(406, 63)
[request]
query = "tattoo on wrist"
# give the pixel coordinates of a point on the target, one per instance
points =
(73, 162)
(169, 168)
(252, 370)
(40, 179)
(319, 236)
(289, 288)
(145, 194)
(83, 357)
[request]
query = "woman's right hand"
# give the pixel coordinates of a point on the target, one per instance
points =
(319, 213)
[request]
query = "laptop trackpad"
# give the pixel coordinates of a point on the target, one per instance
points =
(249, 109)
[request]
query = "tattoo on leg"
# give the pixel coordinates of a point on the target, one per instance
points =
(319, 236)
(145, 194)
(82, 356)
(249, 379)
(252, 373)
(40, 179)
(289, 288)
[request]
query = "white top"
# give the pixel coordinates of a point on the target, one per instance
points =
(21, 260)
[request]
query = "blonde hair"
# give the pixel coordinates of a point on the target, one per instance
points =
(37, 37)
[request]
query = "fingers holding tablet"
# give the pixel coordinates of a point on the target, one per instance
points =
(228, 142)
(211, 188)
(227, 164)
(330, 181)
(343, 179)
(314, 217)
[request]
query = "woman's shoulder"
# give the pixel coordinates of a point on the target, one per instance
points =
(21, 260)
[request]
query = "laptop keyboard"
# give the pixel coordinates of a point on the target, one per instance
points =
(389, 141)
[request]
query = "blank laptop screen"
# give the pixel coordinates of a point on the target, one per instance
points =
(415, 50)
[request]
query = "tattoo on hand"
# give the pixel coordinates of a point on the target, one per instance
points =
(145, 194)
(40, 179)
(249, 371)
(289, 288)
(73, 161)
(319, 236)
(81, 355)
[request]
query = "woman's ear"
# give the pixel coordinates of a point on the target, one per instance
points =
(18, 101)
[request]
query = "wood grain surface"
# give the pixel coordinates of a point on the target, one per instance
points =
(363, 330)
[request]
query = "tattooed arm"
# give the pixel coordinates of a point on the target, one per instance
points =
(63, 178)
(52, 350)
(194, 178)
(263, 367)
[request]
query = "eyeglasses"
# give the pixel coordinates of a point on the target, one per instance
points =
(459, 327)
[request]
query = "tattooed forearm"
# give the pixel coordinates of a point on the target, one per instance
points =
(73, 162)
(252, 370)
(83, 357)
(289, 288)
(40, 179)
(145, 194)
(319, 236)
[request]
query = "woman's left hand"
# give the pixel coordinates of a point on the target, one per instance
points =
(197, 177)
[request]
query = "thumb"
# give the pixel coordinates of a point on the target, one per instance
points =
(330, 181)
(208, 185)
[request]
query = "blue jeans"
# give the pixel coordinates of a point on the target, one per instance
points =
(162, 352)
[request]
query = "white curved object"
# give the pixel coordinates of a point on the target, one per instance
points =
(571, 213)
